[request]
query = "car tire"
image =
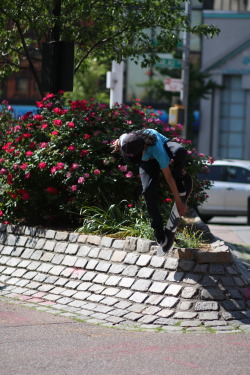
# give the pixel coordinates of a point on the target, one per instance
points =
(205, 218)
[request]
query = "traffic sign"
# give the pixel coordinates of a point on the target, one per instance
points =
(169, 63)
(173, 84)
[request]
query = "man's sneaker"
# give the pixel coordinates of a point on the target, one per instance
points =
(163, 242)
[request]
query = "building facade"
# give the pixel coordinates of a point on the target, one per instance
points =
(225, 114)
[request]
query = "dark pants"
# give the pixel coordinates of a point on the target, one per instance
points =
(149, 174)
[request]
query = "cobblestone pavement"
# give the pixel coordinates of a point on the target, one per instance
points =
(122, 283)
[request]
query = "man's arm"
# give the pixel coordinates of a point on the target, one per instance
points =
(181, 207)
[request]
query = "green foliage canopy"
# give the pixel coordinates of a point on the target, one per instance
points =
(110, 29)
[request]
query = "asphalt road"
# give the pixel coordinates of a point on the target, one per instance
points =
(231, 229)
(38, 343)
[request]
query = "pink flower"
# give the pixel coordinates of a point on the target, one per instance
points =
(70, 124)
(130, 205)
(73, 187)
(123, 168)
(26, 135)
(74, 166)
(3, 171)
(129, 174)
(57, 122)
(42, 165)
(81, 180)
(44, 126)
(43, 144)
(86, 136)
(68, 174)
(29, 153)
(96, 171)
(53, 170)
(72, 148)
(55, 132)
(27, 175)
(60, 166)
(1, 213)
(86, 175)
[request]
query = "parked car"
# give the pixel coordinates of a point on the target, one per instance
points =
(230, 192)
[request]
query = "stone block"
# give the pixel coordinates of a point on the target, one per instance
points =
(61, 236)
(169, 302)
(157, 262)
(94, 240)
(206, 306)
(118, 256)
(105, 254)
(103, 266)
(173, 290)
(220, 254)
(212, 294)
(208, 315)
(118, 244)
(171, 264)
(144, 246)
(141, 285)
(71, 249)
(188, 292)
(49, 245)
(143, 260)
(130, 244)
(116, 268)
(106, 241)
(130, 271)
(145, 272)
(138, 297)
(159, 275)
(158, 287)
(50, 234)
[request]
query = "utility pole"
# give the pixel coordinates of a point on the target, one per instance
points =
(185, 69)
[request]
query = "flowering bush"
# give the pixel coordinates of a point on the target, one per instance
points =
(58, 160)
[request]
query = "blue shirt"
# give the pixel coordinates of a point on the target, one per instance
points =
(157, 151)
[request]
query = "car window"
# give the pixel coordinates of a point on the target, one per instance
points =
(237, 174)
(215, 173)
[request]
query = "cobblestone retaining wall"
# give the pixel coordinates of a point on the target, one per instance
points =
(122, 282)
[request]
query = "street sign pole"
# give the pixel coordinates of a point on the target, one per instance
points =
(185, 69)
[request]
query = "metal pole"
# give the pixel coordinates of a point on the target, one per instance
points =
(185, 69)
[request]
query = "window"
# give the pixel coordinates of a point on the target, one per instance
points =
(238, 174)
(232, 118)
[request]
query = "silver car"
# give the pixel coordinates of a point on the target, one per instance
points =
(230, 193)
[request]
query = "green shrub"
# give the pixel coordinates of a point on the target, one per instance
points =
(57, 161)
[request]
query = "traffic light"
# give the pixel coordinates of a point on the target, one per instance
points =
(57, 66)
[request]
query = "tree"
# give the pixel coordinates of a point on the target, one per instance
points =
(110, 29)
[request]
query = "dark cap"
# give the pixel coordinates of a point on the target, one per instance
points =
(132, 148)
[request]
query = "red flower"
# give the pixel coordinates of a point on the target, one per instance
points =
(83, 153)
(86, 136)
(55, 132)
(72, 148)
(52, 190)
(42, 165)
(24, 166)
(57, 122)
(29, 153)
(38, 117)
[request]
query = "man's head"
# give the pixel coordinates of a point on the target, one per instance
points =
(132, 147)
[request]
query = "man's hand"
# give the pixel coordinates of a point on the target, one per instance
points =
(181, 207)
(115, 145)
